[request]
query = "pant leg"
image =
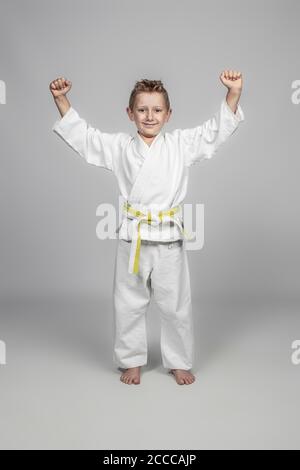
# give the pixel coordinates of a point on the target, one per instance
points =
(131, 297)
(170, 280)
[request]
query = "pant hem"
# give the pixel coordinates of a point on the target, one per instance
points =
(178, 367)
(128, 366)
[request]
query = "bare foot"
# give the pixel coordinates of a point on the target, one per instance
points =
(183, 376)
(131, 375)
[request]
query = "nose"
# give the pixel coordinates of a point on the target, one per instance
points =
(149, 117)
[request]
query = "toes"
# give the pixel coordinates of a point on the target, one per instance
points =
(183, 378)
(188, 379)
(128, 379)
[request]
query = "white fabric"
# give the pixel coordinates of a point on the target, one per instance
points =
(164, 273)
(150, 176)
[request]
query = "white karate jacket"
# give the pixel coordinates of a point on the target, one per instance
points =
(150, 177)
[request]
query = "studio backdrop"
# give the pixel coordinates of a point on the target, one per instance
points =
(58, 386)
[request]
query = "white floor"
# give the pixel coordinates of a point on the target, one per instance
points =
(60, 390)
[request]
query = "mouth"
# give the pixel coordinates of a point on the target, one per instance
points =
(149, 125)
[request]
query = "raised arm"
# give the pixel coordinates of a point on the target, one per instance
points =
(234, 82)
(96, 147)
(202, 142)
(59, 89)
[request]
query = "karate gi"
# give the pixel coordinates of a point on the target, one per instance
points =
(151, 257)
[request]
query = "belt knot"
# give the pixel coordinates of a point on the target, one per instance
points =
(151, 217)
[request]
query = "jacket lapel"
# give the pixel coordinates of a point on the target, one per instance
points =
(151, 155)
(144, 149)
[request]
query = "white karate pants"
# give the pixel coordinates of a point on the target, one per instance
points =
(163, 272)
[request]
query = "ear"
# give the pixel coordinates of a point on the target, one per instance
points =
(129, 112)
(169, 115)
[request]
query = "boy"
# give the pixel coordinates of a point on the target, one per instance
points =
(151, 168)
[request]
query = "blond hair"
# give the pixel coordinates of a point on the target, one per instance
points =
(148, 86)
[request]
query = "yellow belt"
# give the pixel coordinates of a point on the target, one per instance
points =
(149, 217)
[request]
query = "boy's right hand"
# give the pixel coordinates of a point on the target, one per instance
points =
(60, 86)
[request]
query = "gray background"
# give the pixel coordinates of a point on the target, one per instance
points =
(59, 388)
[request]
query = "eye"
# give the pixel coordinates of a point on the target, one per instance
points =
(157, 110)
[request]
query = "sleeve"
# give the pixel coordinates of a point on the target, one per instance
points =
(96, 147)
(202, 142)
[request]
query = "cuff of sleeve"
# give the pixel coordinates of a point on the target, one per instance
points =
(68, 118)
(236, 117)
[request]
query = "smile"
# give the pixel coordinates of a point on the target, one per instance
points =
(149, 125)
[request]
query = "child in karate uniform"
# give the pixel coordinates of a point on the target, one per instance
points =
(151, 168)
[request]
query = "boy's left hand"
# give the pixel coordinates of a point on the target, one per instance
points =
(232, 79)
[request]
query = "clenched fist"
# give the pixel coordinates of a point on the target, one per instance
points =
(232, 79)
(60, 86)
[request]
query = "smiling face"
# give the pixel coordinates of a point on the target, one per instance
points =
(149, 114)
